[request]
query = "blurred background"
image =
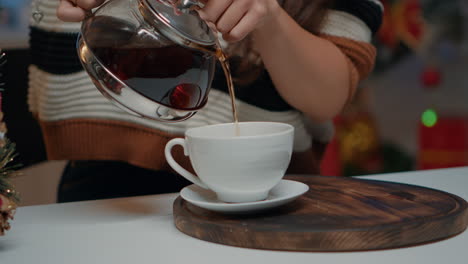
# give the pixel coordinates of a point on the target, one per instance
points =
(410, 114)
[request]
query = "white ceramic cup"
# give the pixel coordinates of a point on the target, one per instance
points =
(238, 168)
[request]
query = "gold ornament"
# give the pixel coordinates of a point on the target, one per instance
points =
(358, 139)
(7, 212)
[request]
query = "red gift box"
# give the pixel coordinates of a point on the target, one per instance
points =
(443, 145)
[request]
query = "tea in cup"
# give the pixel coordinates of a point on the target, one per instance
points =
(240, 164)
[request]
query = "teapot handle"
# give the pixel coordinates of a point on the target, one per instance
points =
(187, 5)
(88, 14)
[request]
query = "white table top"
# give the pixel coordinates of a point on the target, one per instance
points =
(141, 230)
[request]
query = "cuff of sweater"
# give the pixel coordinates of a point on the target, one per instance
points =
(95, 139)
(360, 57)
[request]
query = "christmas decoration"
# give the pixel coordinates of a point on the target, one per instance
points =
(434, 34)
(444, 144)
(8, 196)
(418, 27)
(405, 18)
(357, 148)
(362, 150)
(431, 77)
(429, 118)
(443, 138)
(402, 32)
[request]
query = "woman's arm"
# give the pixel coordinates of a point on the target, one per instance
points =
(310, 72)
(315, 74)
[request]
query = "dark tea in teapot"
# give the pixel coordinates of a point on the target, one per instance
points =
(150, 61)
(175, 76)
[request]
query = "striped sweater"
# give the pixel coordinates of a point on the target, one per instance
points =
(78, 123)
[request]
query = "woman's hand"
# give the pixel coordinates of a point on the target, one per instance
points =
(75, 10)
(235, 19)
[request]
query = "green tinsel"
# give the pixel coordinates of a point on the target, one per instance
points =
(7, 171)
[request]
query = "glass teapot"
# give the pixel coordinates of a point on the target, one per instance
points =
(154, 58)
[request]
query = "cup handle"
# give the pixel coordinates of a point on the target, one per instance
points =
(185, 173)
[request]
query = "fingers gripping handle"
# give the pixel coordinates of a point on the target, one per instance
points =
(179, 169)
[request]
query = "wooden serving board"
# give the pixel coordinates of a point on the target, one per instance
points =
(336, 214)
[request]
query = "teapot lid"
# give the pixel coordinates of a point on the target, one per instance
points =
(182, 27)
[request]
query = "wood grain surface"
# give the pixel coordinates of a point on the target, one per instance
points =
(336, 214)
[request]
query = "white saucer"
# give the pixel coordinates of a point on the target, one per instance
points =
(286, 191)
